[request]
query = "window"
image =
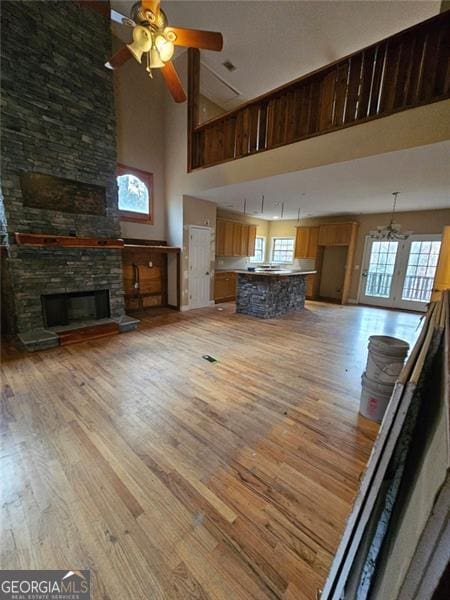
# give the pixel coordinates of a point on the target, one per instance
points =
(283, 250)
(135, 194)
(260, 244)
(421, 270)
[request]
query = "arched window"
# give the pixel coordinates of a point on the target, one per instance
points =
(135, 194)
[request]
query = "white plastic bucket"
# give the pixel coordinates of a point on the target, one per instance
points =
(386, 358)
(375, 397)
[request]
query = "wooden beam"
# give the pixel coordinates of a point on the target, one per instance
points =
(193, 98)
(63, 241)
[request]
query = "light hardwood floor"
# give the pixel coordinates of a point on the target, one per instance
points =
(171, 477)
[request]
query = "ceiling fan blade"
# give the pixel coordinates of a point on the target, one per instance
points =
(195, 38)
(173, 82)
(117, 17)
(119, 58)
(152, 5)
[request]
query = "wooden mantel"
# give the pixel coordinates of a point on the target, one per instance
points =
(65, 241)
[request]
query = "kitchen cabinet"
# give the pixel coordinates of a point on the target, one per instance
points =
(251, 240)
(224, 286)
(228, 241)
(220, 238)
(243, 242)
(336, 234)
(306, 242)
(310, 292)
(235, 239)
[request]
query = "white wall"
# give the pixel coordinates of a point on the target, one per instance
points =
(140, 113)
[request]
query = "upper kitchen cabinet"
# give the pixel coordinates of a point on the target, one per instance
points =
(235, 239)
(336, 234)
(251, 240)
(306, 242)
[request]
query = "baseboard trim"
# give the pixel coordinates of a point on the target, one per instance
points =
(352, 301)
(186, 307)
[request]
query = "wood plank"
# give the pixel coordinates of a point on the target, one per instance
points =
(376, 88)
(353, 88)
(342, 74)
(254, 126)
(367, 66)
(229, 137)
(75, 336)
(391, 72)
(327, 95)
(262, 127)
(238, 135)
(442, 79)
(433, 53)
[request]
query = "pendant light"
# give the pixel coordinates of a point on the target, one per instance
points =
(392, 231)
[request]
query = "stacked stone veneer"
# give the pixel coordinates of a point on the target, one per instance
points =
(57, 118)
(271, 296)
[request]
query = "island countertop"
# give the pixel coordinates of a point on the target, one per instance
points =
(275, 273)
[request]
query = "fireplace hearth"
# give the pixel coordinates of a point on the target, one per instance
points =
(75, 307)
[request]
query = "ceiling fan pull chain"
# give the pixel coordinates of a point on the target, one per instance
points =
(148, 68)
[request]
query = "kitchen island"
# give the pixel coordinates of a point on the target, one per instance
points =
(270, 293)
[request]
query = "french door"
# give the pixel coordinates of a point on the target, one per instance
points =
(399, 274)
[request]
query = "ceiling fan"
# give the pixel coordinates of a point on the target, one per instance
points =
(153, 37)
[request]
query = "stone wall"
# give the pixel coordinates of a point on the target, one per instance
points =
(57, 118)
(267, 297)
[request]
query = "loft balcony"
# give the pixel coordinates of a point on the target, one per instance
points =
(404, 71)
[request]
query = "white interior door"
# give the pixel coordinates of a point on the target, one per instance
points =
(199, 266)
(400, 274)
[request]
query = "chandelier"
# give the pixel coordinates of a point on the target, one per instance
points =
(392, 231)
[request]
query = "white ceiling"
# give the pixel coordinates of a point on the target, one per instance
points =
(273, 42)
(421, 175)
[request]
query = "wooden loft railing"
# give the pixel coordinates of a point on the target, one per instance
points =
(406, 70)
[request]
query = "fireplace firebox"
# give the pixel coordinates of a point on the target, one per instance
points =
(74, 307)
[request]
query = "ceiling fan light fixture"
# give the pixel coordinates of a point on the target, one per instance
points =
(165, 48)
(155, 59)
(142, 42)
(153, 38)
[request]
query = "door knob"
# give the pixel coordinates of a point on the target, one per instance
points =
(207, 273)
(364, 273)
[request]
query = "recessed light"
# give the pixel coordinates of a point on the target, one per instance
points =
(275, 217)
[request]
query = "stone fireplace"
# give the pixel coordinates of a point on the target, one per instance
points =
(58, 167)
(75, 307)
